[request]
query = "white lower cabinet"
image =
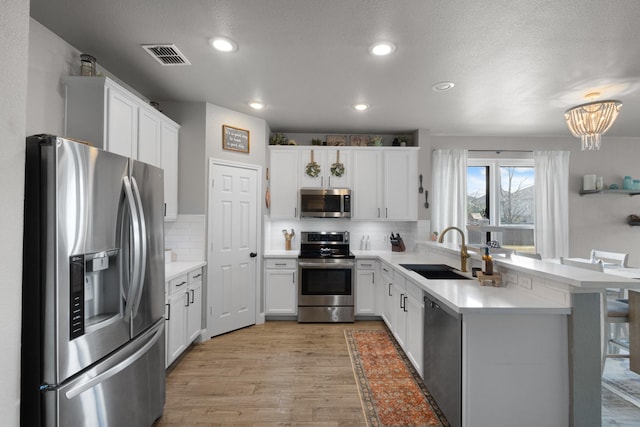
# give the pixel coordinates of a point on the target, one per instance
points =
(414, 313)
(403, 312)
(366, 287)
(399, 311)
(280, 287)
(386, 294)
(184, 313)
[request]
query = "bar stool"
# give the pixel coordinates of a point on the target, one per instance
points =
(615, 312)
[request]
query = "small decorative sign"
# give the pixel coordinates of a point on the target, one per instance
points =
(235, 139)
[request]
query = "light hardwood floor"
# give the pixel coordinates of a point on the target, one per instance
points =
(277, 373)
(283, 373)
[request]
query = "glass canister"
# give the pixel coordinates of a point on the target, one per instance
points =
(87, 65)
(627, 184)
(636, 184)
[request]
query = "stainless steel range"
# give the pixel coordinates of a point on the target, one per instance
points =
(325, 277)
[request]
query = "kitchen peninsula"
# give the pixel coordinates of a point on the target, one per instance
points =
(530, 349)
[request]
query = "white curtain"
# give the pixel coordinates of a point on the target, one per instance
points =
(449, 188)
(552, 203)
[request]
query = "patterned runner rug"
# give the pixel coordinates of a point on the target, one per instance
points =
(391, 391)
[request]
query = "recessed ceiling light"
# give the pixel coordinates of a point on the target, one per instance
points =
(361, 107)
(382, 49)
(224, 44)
(442, 86)
(257, 105)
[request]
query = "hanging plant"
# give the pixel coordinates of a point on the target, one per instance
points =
(312, 169)
(337, 169)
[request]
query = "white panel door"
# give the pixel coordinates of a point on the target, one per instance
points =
(232, 247)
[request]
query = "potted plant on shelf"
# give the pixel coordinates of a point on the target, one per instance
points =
(278, 139)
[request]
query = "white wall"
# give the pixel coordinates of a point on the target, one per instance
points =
(14, 36)
(595, 221)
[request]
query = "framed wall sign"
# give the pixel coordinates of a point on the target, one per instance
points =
(235, 139)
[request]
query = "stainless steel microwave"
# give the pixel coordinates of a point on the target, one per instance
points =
(325, 203)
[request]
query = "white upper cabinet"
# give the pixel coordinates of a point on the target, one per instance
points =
(149, 144)
(121, 123)
(169, 162)
(283, 183)
(106, 115)
(400, 185)
(366, 198)
(385, 184)
(333, 167)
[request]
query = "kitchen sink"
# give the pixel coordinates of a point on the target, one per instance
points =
(435, 271)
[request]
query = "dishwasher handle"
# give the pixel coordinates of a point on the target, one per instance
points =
(433, 303)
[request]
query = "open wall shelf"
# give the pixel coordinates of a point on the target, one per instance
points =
(608, 191)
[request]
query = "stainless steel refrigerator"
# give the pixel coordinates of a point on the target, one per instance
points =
(93, 288)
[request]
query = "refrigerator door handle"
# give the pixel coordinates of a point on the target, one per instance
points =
(135, 225)
(142, 255)
(84, 386)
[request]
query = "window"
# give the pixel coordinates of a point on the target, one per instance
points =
(500, 202)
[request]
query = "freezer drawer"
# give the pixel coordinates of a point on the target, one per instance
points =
(126, 389)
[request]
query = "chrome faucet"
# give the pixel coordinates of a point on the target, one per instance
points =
(463, 247)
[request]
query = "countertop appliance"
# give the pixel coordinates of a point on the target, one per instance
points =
(443, 357)
(325, 277)
(325, 203)
(93, 346)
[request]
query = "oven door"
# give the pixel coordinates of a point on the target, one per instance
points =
(325, 282)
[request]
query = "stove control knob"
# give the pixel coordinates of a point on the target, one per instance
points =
(253, 254)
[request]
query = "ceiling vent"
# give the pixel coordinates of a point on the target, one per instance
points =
(166, 54)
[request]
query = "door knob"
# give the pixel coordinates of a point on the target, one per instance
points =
(253, 254)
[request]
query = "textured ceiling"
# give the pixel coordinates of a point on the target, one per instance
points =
(517, 64)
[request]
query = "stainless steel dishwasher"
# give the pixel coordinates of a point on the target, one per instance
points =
(443, 357)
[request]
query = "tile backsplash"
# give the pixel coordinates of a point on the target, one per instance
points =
(186, 238)
(377, 231)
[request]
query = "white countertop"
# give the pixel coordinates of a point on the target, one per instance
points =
(281, 253)
(178, 268)
(467, 296)
(579, 278)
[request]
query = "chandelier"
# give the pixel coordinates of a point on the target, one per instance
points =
(589, 121)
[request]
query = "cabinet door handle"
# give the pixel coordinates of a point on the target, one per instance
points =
(322, 181)
(386, 213)
(193, 294)
(168, 311)
(180, 284)
(373, 278)
(280, 265)
(197, 275)
(378, 212)
(187, 295)
(293, 278)
(390, 289)
(401, 301)
(405, 304)
(366, 265)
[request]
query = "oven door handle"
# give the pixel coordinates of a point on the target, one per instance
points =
(326, 265)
